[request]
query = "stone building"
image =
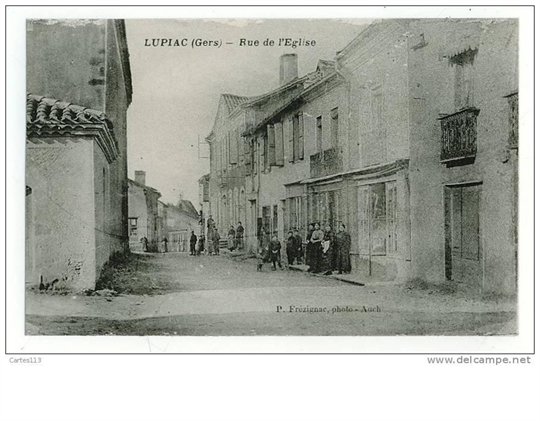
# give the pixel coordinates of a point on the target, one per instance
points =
(375, 179)
(242, 155)
(464, 121)
(299, 143)
(178, 222)
(79, 84)
(227, 183)
(409, 138)
(145, 221)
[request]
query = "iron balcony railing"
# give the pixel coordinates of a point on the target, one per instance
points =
(323, 163)
(459, 136)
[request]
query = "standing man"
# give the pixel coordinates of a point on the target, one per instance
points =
(292, 249)
(299, 249)
(275, 252)
(164, 244)
(210, 225)
(192, 242)
(240, 236)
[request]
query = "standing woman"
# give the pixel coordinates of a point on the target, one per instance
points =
(217, 237)
(329, 249)
(309, 247)
(230, 238)
(316, 254)
(343, 256)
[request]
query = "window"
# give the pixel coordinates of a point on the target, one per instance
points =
(266, 152)
(464, 79)
(391, 213)
(334, 127)
(377, 111)
(271, 145)
(275, 220)
(133, 227)
(377, 218)
(266, 223)
(326, 209)
(297, 152)
(373, 146)
(319, 134)
(278, 133)
(295, 213)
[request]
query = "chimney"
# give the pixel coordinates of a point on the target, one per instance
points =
(140, 177)
(288, 68)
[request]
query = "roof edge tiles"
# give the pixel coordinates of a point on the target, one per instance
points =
(49, 117)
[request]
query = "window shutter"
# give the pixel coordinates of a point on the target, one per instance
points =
(300, 136)
(271, 145)
(290, 139)
(278, 133)
(246, 142)
(262, 148)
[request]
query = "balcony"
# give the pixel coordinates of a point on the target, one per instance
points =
(513, 137)
(324, 163)
(458, 139)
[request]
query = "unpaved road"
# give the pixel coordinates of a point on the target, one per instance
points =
(214, 295)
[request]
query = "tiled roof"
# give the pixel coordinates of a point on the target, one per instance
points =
(52, 112)
(49, 118)
(232, 101)
(187, 207)
(143, 186)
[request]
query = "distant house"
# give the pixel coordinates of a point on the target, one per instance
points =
(76, 170)
(144, 220)
(178, 222)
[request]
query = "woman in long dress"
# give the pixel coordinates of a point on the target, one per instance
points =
(230, 238)
(316, 254)
(309, 246)
(343, 256)
(329, 248)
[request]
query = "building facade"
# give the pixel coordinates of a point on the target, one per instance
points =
(464, 158)
(145, 220)
(410, 139)
(79, 84)
(178, 223)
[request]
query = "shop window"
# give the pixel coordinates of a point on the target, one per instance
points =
(377, 219)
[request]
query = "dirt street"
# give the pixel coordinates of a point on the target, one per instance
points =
(216, 295)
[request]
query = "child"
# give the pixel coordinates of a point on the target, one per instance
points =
(275, 252)
(260, 259)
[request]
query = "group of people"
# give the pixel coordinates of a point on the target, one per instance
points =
(146, 248)
(199, 245)
(327, 251)
(235, 237)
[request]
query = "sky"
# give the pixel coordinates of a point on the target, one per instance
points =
(176, 89)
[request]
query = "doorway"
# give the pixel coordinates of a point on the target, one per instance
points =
(463, 240)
